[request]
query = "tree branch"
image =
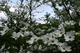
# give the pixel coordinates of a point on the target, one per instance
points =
(66, 9)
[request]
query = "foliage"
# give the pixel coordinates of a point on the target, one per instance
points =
(21, 34)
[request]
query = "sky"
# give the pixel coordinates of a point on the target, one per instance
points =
(46, 8)
(43, 8)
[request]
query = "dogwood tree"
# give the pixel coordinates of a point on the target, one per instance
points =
(20, 33)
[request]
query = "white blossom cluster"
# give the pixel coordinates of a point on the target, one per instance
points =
(20, 51)
(49, 38)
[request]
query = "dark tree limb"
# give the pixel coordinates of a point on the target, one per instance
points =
(67, 10)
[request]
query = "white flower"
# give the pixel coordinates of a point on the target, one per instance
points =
(21, 49)
(32, 40)
(49, 39)
(15, 21)
(53, 41)
(23, 29)
(27, 25)
(63, 47)
(70, 11)
(2, 32)
(69, 36)
(49, 29)
(16, 35)
(31, 33)
(61, 26)
(26, 33)
(46, 38)
(40, 47)
(71, 22)
(38, 33)
(29, 52)
(3, 46)
(7, 52)
(79, 23)
(5, 29)
(12, 9)
(77, 33)
(58, 33)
